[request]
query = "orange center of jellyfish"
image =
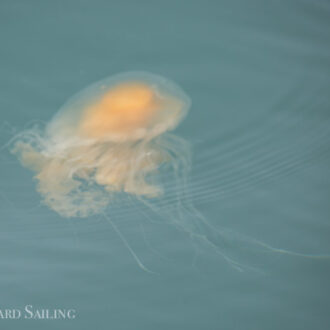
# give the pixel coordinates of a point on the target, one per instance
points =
(121, 111)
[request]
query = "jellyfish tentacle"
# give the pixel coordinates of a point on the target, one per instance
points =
(124, 240)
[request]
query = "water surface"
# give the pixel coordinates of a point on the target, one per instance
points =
(258, 74)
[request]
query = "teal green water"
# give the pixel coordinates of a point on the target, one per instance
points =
(258, 74)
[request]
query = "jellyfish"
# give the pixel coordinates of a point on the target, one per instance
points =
(111, 137)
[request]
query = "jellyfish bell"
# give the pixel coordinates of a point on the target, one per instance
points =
(110, 137)
(124, 107)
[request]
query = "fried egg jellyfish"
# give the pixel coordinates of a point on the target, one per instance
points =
(113, 139)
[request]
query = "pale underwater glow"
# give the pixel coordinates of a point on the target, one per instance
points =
(111, 137)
